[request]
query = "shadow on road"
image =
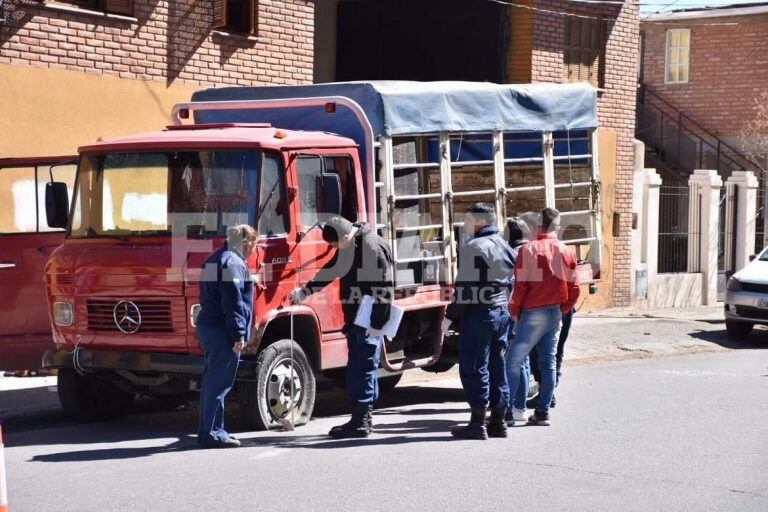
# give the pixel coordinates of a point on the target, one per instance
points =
(758, 339)
(148, 421)
(182, 445)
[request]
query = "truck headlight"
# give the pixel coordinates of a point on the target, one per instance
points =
(193, 312)
(63, 313)
(734, 285)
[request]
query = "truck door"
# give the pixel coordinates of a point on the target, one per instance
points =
(273, 259)
(26, 241)
(314, 252)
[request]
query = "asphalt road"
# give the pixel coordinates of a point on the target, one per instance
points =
(667, 433)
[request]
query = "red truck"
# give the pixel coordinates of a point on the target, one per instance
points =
(405, 157)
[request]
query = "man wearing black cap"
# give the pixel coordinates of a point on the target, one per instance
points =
(363, 262)
(479, 308)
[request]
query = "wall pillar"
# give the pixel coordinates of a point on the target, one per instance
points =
(704, 229)
(649, 249)
(745, 211)
(638, 180)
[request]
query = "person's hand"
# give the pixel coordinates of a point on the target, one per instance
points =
(239, 346)
(445, 326)
(295, 296)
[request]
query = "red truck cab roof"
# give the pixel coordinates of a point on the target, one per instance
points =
(221, 135)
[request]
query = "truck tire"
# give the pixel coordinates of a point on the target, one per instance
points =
(738, 330)
(87, 398)
(269, 398)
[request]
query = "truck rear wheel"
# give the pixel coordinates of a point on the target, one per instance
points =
(270, 398)
(88, 397)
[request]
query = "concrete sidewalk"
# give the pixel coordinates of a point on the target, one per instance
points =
(622, 333)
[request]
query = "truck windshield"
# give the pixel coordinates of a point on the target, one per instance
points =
(192, 193)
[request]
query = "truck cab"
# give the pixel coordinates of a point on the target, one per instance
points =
(148, 210)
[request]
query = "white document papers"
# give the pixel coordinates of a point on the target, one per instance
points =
(363, 317)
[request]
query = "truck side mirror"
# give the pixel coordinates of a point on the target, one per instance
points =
(329, 194)
(56, 204)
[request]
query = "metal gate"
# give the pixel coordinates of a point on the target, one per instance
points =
(674, 232)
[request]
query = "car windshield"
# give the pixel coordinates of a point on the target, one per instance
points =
(194, 193)
(764, 256)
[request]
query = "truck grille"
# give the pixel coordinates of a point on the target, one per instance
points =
(752, 312)
(155, 315)
(754, 287)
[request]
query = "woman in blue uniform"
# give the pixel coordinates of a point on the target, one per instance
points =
(223, 327)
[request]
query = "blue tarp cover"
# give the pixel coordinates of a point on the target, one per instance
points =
(401, 107)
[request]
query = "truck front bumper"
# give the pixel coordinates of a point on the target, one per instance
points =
(179, 364)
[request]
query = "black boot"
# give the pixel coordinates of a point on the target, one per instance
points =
(476, 427)
(359, 425)
(497, 426)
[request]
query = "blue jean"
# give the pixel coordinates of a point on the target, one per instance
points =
(363, 354)
(562, 338)
(482, 342)
(536, 327)
(219, 372)
(518, 399)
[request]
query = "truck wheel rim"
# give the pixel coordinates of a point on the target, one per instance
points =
(279, 399)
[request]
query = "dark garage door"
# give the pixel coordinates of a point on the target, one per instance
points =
(421, 40)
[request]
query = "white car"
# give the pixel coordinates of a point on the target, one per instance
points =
(746, 297)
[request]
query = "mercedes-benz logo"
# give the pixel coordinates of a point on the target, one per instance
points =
(127, 316)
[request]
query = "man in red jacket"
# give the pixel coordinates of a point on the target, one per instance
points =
(546, 286)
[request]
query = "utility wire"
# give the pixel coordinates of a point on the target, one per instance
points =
(546, 11)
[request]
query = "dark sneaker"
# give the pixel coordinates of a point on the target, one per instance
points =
(539, 418)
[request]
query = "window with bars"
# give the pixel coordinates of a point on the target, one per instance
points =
(678, 53)
(236, 15)
(584, 55)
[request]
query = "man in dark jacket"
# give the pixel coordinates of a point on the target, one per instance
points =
(363, 262)
(479, 306)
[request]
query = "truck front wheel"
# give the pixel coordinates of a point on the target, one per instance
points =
(284, 388)
(88, 397)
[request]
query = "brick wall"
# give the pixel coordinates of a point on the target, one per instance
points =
(164, 41)
(519, 60)
(728, 69)
(616, 104)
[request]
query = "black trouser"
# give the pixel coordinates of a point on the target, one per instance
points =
(564, 331)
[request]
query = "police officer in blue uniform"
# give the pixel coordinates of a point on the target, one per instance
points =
(479, 308)
(363, 263)
(223, 327)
